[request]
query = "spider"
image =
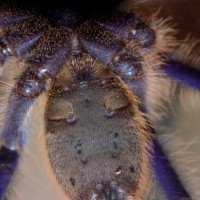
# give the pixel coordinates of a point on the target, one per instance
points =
(94, 77)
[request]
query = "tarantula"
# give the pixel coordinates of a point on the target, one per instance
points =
(94, 75)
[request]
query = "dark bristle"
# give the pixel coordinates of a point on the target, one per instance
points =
(83, 76)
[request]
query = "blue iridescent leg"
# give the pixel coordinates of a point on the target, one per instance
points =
(12, 138)
(167, 177)
(183, 74)
(172, 186)
(8, 163)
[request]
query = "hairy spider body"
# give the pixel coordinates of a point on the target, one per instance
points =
(94, 72)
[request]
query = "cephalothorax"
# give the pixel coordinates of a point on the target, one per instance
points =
(94, 72)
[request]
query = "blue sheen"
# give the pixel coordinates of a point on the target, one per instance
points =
(8, 163)
(183, 74)
(167, 177)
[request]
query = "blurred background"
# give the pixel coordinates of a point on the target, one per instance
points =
(185, 13)
(179, 130)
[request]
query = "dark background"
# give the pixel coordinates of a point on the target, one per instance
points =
(186, 13)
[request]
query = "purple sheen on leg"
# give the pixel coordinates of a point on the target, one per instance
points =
(13, 128)
(7, 20)
(8, 163)
(23, 44)
(52, 65)
(167, 177)
(183, 74)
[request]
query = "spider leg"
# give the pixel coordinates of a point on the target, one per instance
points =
(123, 58)
(128, 25)
(41, 49)
(41, 61)
(12, 136)
(112, 38)
(183, 74)
(8, 163)
(123, 42)
(166, 175)
(12, 139)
